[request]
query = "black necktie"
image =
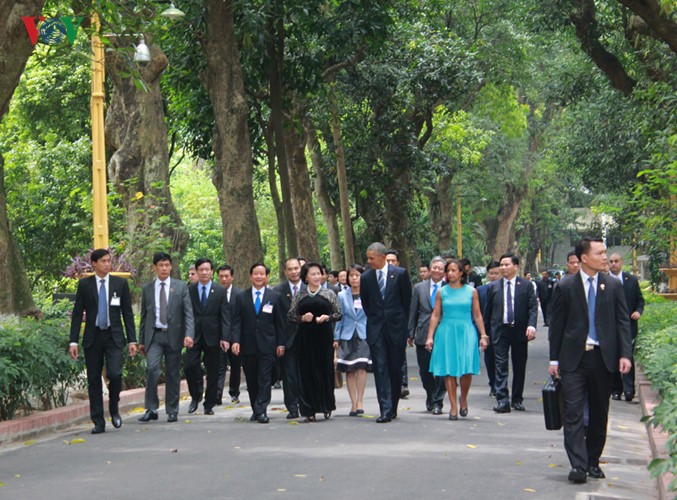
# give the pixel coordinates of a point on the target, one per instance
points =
(203, 299)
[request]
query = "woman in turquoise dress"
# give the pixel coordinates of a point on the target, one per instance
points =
(452, 337)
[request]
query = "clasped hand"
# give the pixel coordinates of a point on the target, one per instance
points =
(308, 318)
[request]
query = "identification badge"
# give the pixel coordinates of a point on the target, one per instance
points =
(115, 301)
(268, 308)
(357, 303)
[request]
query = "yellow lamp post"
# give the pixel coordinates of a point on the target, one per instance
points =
(459, 224)
(100, 198)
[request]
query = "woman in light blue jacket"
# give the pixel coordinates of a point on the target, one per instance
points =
(350, 337)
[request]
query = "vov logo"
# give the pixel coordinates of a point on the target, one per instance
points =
(52, 30)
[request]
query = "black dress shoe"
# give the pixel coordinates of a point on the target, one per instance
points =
(578, 476)
(263, 419)
(518, 405)
(616, 396)
(99, 429)
(382, 419)
(629, 396)
(429, 407)
(502, 408)
(404, 392)
(352, 414)
(453, 417)
(437, 410)
(117, 421)
(219, 402)
(209, 411)
(193, 406)
(292, 414)
(360, 411)
(172, 417)
(148, 416)
(492, 393)
(596, 472)
(253, 418)
(235, 400)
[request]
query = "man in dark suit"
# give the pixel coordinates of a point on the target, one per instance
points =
(511, 313)
(385, 292)
(212, 325)
(422, 301)
(226, 278)
(290, 369)
(473, 279)
(258, 337)
(589, 341)
(106, 301)
(635, 302)
(544, 290)
(393, 258)
(166, 327)
(493, 274)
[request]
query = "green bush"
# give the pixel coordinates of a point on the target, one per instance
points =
(35, 369)
(656, 352)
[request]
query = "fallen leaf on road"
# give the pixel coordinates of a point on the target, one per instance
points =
(552, 466)
(138, 409)
(623, 427)
(174, 450)
(540, 400)
(501, 424)
(28, 443)
(281, 489)
(472, 446)
(414, 379)
(529, 490)
(364, 415)
(17, 475)
(187, 421)
(108, 462)
(299, 475)
(518, 462)
(321, 478)
(407, 408)
(76, 441)
(3, 484)
(293, 423)
(236, 447)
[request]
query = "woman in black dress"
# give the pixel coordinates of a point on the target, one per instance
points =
(315, 309)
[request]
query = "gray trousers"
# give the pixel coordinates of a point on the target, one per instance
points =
(158, 349)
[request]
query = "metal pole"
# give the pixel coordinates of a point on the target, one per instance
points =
(100, 198)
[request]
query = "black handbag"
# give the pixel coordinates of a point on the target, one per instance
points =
(552, 404)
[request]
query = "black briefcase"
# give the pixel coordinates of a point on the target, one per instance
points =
(552, 404)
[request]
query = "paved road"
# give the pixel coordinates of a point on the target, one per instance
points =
(418, 455)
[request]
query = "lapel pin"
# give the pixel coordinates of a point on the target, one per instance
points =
(601, 286)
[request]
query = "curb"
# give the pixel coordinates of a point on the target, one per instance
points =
(649, 399)
(44, 422)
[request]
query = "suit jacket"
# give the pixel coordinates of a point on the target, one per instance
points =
(482, 292)
(351, 320)
(525, 308)
(387, 316)
(285, 299)
(420, 311)
(213, 322)
(569, 323)
(87, 300)
(544, 289)
(474, 279)
(258, 333)
(179, 314)
(633, 299)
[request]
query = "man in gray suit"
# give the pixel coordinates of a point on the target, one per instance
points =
(422, 300)
(166, 327)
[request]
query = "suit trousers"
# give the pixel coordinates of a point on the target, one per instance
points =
(160, 348)
(591, 381)
(490, 363)
(258, 369)
(193, 370)
(290, 378)
(544, 310)
(387, 358)
(103, 348)
(511, 342)
(434, 386)
(226, 358)
(625, 383)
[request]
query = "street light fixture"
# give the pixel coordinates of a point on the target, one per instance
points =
(142, 53)
(172, 13)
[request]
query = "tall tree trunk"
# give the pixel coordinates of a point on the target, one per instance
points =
(300, 190)
(277, 202)
(499, 230)
(275, 50)
(329, 213)
(15, 49)
(658, 20)
(441, 209)
(233, 168)
(136, 129)
(344, 200)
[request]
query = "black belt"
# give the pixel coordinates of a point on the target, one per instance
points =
(163, 330)
(591, 347)
(508, 325)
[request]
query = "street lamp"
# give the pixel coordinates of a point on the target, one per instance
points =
(172, 13)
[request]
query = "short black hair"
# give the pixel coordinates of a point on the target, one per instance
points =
(201, 261)
(292, 258)
(257, 264)
(160, 256)
(514, 258)
(334, 273)
(393, 252)
(98, 253)
(493, 264)
(226, 267)
(356, 267)
(306, 267)
(573, 252)
(583, 246)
